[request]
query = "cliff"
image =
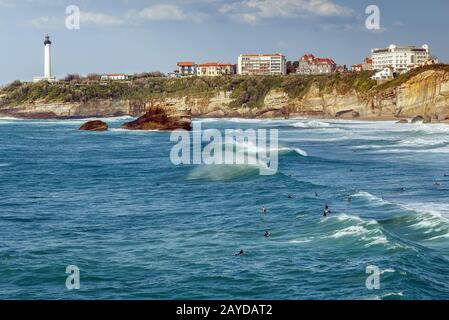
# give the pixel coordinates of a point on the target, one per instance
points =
(422, 92)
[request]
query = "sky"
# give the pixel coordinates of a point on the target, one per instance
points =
(132, 36)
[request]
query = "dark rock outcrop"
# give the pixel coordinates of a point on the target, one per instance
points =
(158, 118)
(420, 119)
(402, 121)
(347, 114)
(96, 125)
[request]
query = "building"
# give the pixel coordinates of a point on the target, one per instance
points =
(174, 74)
(386, 74)
(431, 61)
(367, 65)
(341, 69)
(309, 64)
(262, 64)
(400, 58)
(214, 69)
(357, 68)
(187, 68)
(114, 77)
(47, 63)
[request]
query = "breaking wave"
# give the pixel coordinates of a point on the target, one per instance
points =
(311, 124)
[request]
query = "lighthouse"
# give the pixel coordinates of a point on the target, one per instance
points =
(47, 54)
(47, 62)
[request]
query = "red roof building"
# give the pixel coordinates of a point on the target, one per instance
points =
(309, 64)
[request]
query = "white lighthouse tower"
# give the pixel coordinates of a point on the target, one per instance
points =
(47, 62)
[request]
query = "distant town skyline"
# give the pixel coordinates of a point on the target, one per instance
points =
(132, 36)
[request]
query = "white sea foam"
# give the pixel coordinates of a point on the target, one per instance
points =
(300, 241)
(387, 271)
(349, 231)
(254, 149)
(311, 124)
(370, 197)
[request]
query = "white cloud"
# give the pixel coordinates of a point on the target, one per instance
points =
(164, 12)
(100, 19)
(46, 23)
(252, 11)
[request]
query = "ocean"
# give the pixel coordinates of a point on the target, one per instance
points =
(138, 227)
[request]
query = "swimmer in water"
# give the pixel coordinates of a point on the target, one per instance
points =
(267, 234)
(264, 210)
(402, 189)
(349, 199)
(241, 253)
(290, 196)
(326, 211)
(316, 195)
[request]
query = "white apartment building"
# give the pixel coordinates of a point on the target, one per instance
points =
(385, 74)
(262, 64)
(400, 58)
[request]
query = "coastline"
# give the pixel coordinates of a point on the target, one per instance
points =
(292, 118)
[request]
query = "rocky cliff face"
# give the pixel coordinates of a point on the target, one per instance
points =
(423, 94)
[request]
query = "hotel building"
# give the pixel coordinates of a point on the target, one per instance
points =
(400, 58)
(262, 64)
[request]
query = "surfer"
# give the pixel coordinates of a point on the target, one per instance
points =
(264, 210)
(267, 234)
(402, 189)
(327, 211)
(316, 194)
(290, 196)
(349, 199)
(241, 253)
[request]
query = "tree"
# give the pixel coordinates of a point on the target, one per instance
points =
(72, 77)
(292, 67)
(93, 77)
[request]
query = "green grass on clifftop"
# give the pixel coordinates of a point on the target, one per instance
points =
(246, 91)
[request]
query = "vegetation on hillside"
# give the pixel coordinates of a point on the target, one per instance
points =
(246, 91)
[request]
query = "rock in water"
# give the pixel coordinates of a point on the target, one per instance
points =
(159, 118)
(96, 125)
(402, 121)
(420, 119)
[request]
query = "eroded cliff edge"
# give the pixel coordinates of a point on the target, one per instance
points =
(422, 92)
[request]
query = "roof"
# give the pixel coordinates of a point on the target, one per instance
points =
(186, 64)
(324, 60)
(263, 55)
(308, 57)
(214, 64)
(368, 61)
(311, 58)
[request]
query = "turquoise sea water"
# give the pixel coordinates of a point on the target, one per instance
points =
(139, 227)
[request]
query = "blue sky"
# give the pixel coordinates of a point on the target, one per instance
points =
(148, 35)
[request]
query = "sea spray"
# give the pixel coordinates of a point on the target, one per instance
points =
(236, 147)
